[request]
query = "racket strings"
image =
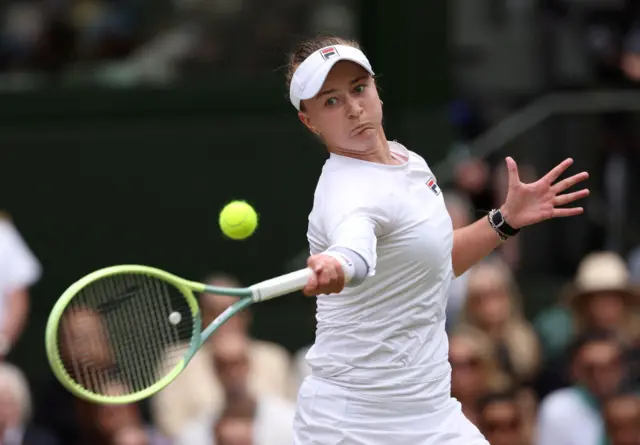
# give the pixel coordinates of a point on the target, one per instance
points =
(119, 335)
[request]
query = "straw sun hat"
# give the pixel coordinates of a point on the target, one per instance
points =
(602, 272)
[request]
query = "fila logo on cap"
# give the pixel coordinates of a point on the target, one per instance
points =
(329, 52)
(431, 183)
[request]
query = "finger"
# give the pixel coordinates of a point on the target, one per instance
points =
(311, 287)
(557, 171)
(563, 213)
(569, 182)
(327, 276)
(561, 200)
(512, 168)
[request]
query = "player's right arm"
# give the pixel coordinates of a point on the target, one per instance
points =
(350, 223)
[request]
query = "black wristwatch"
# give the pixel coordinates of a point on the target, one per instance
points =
(500, 225)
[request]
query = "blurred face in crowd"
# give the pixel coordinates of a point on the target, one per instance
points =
(488, 300)
(131, 436)
(500, 421)
(599, 367)
(605, 310)
(234, 431)
(84, 340)
(622, 418)
(231, 361)
(468, 367)
(214, 305)
(107, 420)
(346, 113)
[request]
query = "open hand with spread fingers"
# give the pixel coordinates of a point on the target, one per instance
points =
(527, 204)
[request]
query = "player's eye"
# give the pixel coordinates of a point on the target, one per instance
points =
(359, 89)
(331, 101)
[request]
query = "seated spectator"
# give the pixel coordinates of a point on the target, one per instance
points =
(571, 416)
(198, 389)
(245, 418)
(622, 419)
(493, 307)
(475, 369)
(15, 411)
(110, 424)
(19, 269)
(500, 419)
(601, 297)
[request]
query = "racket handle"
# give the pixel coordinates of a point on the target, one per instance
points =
(282, 285)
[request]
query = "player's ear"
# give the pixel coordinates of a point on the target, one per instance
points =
(304, 118)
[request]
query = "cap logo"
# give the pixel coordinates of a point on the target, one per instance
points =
(329, 52)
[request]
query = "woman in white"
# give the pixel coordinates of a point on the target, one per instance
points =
(379, 368)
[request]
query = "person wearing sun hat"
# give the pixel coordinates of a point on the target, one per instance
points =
(601, 296)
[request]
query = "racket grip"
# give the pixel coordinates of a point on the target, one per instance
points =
(282, 285)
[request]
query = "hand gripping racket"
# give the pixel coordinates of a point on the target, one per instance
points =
(123, 333)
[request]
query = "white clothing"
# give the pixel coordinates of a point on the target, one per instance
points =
(567, 418)
(272, 425)
(18, 266)
(382, 342)
(329, 414)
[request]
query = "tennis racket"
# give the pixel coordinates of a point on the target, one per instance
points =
(123, 333)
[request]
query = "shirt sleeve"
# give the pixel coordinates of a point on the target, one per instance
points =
(21, 268)
(354, 218)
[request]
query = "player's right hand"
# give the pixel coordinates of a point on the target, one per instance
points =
(328, 276)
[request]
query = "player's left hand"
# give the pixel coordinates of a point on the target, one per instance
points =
(527, 204)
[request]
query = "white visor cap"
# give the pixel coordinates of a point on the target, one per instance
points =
(311, 74)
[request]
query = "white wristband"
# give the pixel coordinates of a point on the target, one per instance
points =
(348, 267)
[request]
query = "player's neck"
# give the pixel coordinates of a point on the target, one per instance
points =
(379, 152)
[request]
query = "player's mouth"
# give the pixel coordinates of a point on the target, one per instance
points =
(361, 129)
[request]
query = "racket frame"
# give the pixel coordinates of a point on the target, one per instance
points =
(262, 291)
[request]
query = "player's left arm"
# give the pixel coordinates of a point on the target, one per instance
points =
(526, 204)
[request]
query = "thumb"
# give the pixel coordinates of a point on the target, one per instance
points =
(512, 168)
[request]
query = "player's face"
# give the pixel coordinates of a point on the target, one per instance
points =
(347, 112)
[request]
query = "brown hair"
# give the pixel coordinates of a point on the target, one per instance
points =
(308, 47)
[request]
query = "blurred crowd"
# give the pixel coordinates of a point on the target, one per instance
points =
(132, 42)
(570, 376)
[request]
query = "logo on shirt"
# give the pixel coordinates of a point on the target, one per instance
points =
(327, 53)
(431, 183)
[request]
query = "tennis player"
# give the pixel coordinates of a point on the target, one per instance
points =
(379, 367)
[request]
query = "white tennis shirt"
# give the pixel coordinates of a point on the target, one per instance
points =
(388, 331)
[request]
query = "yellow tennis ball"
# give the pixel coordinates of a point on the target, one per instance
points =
(238, 220)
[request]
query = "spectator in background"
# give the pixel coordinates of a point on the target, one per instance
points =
(19, 269)
(493, 306)
(245, 418)
(622, 419)
(15, 411)
(601, 298)
(500, 419)
(572, 416)
(461, 213)
(113, 424)
(198, 389)
(475, 369)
